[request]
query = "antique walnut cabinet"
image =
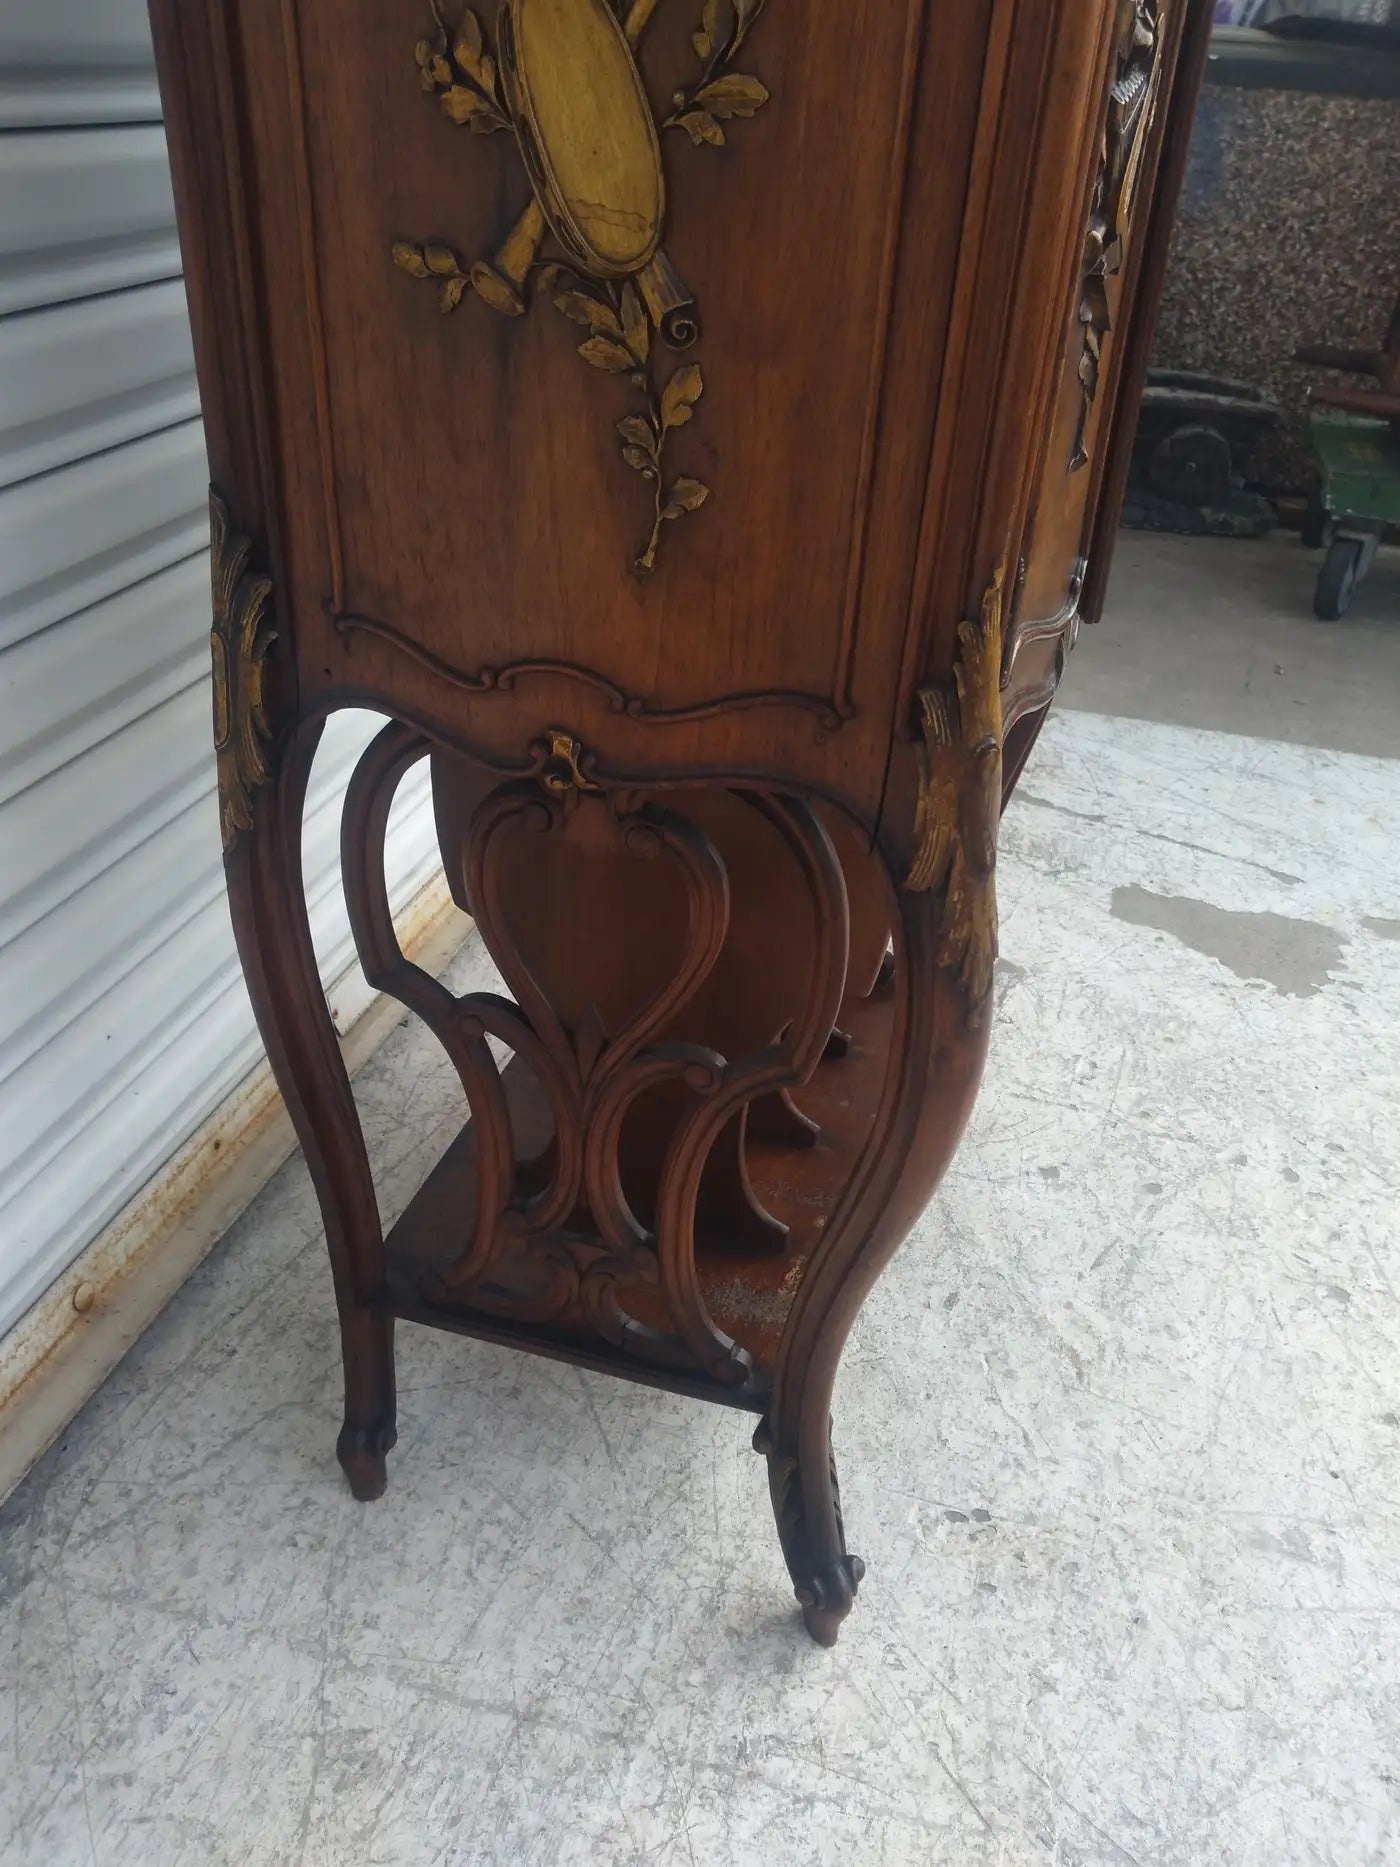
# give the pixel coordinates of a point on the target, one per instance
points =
(698, 427)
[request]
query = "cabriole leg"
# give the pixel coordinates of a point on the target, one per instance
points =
(944, 954)
(263, 865)
(937, 1053)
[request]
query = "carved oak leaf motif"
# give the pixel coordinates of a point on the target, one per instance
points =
(462, 73)
(434, 262)
(700, 112)
(724, 25)
(720, 93)
(239, 640)
(959, 807)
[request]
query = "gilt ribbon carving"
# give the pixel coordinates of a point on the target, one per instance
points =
(563, 77)
(959, 806)
(239, 639)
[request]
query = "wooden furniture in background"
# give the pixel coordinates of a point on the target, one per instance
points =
(1382, 402)
(698, 427)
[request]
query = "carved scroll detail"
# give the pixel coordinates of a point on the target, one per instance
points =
(1129, 98)
(505, 679)
(599, 260)
(593, 1075)
(240, 637)
(959, 805)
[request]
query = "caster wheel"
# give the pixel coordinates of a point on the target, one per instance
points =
(1337, 580)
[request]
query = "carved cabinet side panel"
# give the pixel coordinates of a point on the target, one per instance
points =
(1134, 71)
(1144, 42)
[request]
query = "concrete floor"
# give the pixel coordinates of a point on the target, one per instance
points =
(1120, 1431)
(1220, 633)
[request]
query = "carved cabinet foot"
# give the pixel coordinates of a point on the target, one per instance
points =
(827, 1596)
(806, 1496)
(370, 1432)
(363, 1454)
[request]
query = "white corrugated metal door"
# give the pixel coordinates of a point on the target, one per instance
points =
(123, 1018)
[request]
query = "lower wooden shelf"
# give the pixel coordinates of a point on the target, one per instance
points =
(747, 1294)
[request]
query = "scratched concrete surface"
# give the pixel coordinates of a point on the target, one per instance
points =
(1120, 1435)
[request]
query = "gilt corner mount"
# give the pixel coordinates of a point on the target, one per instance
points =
(563, 77)
(959, 802)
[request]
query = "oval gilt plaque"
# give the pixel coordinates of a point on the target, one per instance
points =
(586, 131)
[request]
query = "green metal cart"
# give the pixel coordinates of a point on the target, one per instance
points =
(1358, 495)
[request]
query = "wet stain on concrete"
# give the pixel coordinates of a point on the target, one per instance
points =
(1296, 957)
(1377, 924)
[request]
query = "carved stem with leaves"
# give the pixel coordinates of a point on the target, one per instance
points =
(619, 342)
(720, 92)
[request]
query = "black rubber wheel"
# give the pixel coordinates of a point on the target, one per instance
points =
(1336, 581)
(1191, 466)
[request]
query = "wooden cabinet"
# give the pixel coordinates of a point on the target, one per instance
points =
(688, 422)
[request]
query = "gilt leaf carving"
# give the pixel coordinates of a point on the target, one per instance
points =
(959, 804)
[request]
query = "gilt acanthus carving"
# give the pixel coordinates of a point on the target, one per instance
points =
(590, 238)
(240, 637)
(959, 805)
(1130, 94)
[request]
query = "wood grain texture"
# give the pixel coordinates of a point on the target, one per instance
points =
(729, 826)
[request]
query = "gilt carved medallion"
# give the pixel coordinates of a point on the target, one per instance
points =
(562, 76)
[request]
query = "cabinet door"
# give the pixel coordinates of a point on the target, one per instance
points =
(615, 417)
